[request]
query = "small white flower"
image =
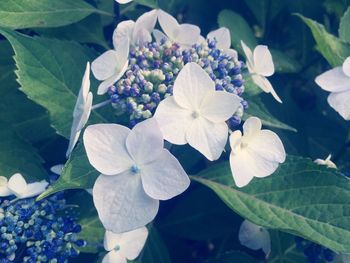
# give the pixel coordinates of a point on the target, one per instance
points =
(255, 154)
(260, 66)
(196, 113)
(223, 41)
(124, 246)
(136, 172)
(18, 186)
(254, 237)
(81, 111)
(337, 82)
(123, 1)
(185, 34)
(328, 162)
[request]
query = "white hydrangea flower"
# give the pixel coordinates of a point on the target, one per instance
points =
(337, 82)
(81, 111)
(136, 172)
(123, 1)
(223, 41)
(260, 66)
(18, 186)
(138, 32)
(196, 113)
(183, 34)
(124, 246)
(254, 237)
(257, 153)
(328, 162)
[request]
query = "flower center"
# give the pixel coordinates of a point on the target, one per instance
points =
(195, 114)
(135, 169)
(117, 248)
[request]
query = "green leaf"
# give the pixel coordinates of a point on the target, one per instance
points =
(301, 198)
(283, 249)
(333, 49)
(233, 256)
(18, 14)
(239, 29)
(149, 3)
(77, 174)
(344, 26)
(283, 63)
(257, 108)
(50, 73)
(17, 156)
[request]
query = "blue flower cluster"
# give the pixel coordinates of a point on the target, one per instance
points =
(153, 69)
(40, 231)
(313, 252)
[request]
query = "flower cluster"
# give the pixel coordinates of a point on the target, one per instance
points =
(40, 231)
(314, 253)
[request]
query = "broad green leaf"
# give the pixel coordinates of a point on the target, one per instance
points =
(77, 174)
(191, 217)
(18, 14)
(344, 26)
(50, 73)
(17, 156)
(334, 50)
(88, 30)
(149, 3)
(283, 249)
(257, 108)
(233, 256)
(239, 29)
(301, 198)
(283, 63)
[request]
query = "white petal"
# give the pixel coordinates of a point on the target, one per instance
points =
(173, 120)
(3, 181)
(103, 87)
(144, 26)
(231, 52)
(240, 165)
(235, 141)
(121, 202)
(164, 178)
(201, 40)
(265, 85)
(132, 243)
(145, 141)
(106, 149)
(191, 86)
(263, 64)
(34, 189)
(124, 30)
(105, 65)
(346, 66)
(207, 137)
(188, 35)
(251, 127)
(123, 1)
(111, 240)
(84, 89)
(4, 191)
(17, 184)
(84, 117)
(159, 35)
(249, 56)
(74, 138)
(254, 237)
(340, 101)
(218, 106)
(114, 257)
(333, 80)
(222, 36)
(168, 23)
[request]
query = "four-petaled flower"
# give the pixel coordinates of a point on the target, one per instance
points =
(81, 110)
(254, 237)
(337, 81)
(196, 113)
(136, 172)
(18, 186)
(255, 154)
(183, 34)
(124, 246)
(260, 66)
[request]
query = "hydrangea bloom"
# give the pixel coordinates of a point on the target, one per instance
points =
(260, 66)
(254, 237)
(256, 153)
(136, 172)
(337, 81)
(196, 113)
(327, 162)
(124, 246)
